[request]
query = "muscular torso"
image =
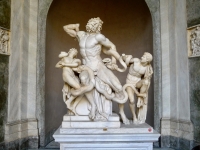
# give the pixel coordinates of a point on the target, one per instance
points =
(90, 50)
(68, 70)
(136, 69)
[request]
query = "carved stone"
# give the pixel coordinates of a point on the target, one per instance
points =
(90, 87)
(4, 41)
(194, 41)
(139, 76)
(90, 93)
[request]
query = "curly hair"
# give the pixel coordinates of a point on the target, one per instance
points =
(89, 29)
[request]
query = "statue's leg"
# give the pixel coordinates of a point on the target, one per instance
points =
(78, 99)
(143, 85)
(71, 80)
(69, 101)
(132, 102)
(142, 102)
(122, 114)
(89, 96)
(108, 77)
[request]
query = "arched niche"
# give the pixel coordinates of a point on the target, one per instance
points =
(128, 24)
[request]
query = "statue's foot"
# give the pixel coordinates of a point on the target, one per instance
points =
(135, 121)
(74, 111)
(124, 119)
(68, 103)
(92, 114)
(141, 122)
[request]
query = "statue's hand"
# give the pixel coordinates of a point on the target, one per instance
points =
(81, 68)
(75, 92)
(112, 66)
(142, 95)
(77, 27)
(62, 63)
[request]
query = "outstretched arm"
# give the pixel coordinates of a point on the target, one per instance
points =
(129, 59)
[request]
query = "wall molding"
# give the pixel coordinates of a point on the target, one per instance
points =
(21, 129)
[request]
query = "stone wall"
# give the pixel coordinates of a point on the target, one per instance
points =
(193, 18)
(5, 13)
(4, 60)
(3, 92)
(194, 64)
(193, 12)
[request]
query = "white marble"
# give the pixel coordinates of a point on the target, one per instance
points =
(177, 128)
(21, 129)
(165, 40)
(88, 125)
(106, 140)
(175, 77)
(85, 122)
(113, 117)
(139, 76)
(132, 128)
(96, 82)
(21, 120)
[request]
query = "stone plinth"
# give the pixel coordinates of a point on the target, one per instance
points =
(84, 122)
(134, 137)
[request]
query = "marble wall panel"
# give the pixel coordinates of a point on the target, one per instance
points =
(193, 12)
(195, 95)
(3, 93)
(43, 8)
(193, 19)
(154, 7)
(5, 8)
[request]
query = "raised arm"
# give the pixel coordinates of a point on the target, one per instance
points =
(135, 60)
(72, 29)
(128, 59)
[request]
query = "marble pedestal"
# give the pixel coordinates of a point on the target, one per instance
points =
(127, 137)
(84, 122)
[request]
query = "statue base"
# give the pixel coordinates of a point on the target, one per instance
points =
(70, 121)
(126, 137)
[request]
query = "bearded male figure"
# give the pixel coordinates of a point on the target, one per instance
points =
(91, 43)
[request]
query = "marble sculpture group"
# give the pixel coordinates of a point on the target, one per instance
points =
(90, 86)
